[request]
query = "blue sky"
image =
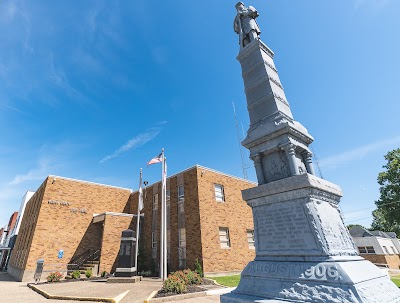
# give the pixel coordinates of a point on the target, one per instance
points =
(92, 90)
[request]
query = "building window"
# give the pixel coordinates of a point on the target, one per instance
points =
(168, 197)
(182, 237)
(250, 238)
(219, 192)
(394, 250)
(155, 201)
(224, 237)
(181, 193)
(153, 240)
(366, 250)
(386, 250)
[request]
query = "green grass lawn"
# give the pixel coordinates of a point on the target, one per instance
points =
(231, 281)
(396, 280)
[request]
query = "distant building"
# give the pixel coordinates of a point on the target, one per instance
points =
(66, 220)
(381, 248)
(5, 241)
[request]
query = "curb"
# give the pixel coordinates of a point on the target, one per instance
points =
(49, 296)
(220, 291)
(175, 298)
(150, 297)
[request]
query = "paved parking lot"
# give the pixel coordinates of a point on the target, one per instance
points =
(18, 292)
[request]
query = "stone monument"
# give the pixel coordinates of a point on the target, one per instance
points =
(126, 271)
(304, 252)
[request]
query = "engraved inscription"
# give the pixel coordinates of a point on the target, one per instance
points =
(284, 227)
(333, 230)
(321, 271)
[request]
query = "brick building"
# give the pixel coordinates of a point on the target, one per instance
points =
(5, 241)
(206, 220)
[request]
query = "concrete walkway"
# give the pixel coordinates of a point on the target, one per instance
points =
(18, 292)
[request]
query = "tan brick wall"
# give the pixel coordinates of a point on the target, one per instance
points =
(233, 213)
(111, 240)
(203, 217)
(393, 261)
(23, 244)
(68, 227)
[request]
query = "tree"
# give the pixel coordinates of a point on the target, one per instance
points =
(387, 214)
(353, 225)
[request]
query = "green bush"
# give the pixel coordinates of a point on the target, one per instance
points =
(177, 281)
(88, 273)
(174, 284)
(104, 274)
(199, 268)
(54, 277)
(193, 278)
(76, 274)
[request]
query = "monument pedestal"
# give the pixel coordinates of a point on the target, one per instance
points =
(126, 271)
(304, 252)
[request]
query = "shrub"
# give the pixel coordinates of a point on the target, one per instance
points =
(104, 274)
(177, 281)
(199, 268)
(55, 277)
(174, 284)
(88, 273)
(192, 277)
(76, 274)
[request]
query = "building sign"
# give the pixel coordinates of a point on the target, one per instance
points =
(60, 254)
(61, 203)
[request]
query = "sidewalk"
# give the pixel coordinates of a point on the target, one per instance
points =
(18, 292)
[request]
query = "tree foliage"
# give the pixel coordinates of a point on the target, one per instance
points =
(353, 225)
(387, 214)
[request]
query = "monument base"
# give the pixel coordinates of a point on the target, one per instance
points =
(333, 282)
(124, 280)
(304, 252)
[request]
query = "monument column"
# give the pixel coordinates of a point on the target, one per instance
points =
(291, 156)
(304, 252)
(308, 162)
(259, 169)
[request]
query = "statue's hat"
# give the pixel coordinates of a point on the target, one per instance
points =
(239, 3)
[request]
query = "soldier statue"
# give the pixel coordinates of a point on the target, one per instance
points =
(245, 24)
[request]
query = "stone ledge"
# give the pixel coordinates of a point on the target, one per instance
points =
(124, 280)
(290, 184)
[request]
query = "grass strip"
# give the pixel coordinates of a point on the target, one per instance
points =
(230, 281)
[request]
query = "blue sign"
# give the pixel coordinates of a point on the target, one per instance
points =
(60, 254)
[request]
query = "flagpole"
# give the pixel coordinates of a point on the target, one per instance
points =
(162, 220)
(165, 218)
(138, 222)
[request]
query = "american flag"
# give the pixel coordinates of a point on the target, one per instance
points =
(157, 159)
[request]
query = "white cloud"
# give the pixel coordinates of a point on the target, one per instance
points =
(35, 174)
(358, 153)
(135, 142)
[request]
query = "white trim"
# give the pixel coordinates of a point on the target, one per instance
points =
(206, 168)
(88, 182)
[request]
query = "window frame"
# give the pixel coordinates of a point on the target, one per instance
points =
(155, 201)
(182, 237)
(221, 195)
(250, 240)
(366, 250)
(153, 240)
(181, 196)
(226, 243)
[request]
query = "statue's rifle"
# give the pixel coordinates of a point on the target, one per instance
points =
(240, 31)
